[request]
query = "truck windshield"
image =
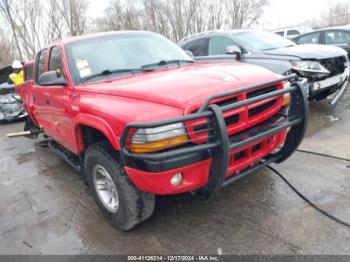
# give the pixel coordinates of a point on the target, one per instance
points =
(261, 40)
(119, 54)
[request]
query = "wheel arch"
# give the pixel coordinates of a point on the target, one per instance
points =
(90, 129)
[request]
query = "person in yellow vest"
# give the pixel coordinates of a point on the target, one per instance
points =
(17, 76)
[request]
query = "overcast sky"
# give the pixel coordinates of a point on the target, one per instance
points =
(288, 12)
(279, 13)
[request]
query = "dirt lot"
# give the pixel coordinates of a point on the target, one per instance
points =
(46, 208)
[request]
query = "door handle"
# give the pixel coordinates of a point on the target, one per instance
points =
(47, 100)
(34, 99)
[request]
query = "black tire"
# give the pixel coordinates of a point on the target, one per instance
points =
(135, 206)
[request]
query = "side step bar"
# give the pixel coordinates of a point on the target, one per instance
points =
(71, 159)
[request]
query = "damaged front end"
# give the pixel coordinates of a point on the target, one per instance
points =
(328, 78)
(11, 105)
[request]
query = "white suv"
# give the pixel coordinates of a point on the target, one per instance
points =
(292, 32)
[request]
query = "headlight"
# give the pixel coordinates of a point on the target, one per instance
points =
(147, 140)
(309, 66)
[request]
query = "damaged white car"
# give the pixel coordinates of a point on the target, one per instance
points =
(11, 105)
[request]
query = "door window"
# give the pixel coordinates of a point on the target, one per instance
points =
(198, 47)
(40, 64)
(55, 62)
(218, 44)
(309, 39)
(337, 37)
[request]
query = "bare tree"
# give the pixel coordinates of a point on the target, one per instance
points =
(176, 19)
(155, 19)
(244, 13)
(35, 24)
(338, 14)
(182, 16)
(74, 14)
(29, 26)
(122, 15)
(215, 13)
(5, 8)
(54, 25)
(6, 54)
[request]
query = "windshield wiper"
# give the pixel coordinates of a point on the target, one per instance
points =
(110, 72)
(165, 62)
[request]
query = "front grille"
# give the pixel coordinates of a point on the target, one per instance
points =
(239, 155)
(228, 121)
(233, 121)
(227, 102)
(257, 110)
(261, 91)
(335, 65)
(256, 148)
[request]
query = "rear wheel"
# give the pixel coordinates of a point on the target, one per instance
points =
(122, 203)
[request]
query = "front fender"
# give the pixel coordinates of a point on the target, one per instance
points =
(97, 123)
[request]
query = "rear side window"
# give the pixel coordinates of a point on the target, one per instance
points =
(309, 39)
(281, 33)
(55, 62)
(198, 47)
(218, 44)
(28, 72)
(293, 32)
(337, 37)
(40, 64)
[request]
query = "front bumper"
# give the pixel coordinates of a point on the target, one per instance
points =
(209, 166)
(333, 85)
(13, 115)
(331, 81)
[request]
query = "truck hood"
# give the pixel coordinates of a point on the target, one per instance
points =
(308, 51)
(184, 86)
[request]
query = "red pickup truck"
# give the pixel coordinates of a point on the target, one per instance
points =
(137, 117)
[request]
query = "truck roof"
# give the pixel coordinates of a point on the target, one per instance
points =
(94, 35)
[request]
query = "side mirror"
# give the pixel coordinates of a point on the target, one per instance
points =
(52, 78)
(234, 50)
(189, 53)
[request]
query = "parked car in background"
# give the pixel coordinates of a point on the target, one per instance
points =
(137, 117)
(325, 67)
(335, 36)
(11, 105)
(292, 32)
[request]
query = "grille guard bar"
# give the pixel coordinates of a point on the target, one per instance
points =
(219, 144)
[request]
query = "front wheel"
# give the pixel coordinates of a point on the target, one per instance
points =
(122, 203)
